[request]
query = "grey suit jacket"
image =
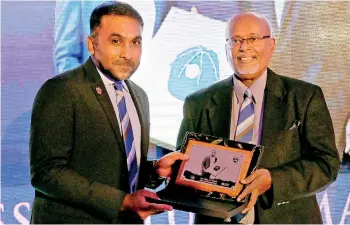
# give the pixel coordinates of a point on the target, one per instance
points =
(77, 156)
(298, 136)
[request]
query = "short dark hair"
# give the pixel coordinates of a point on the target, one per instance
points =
(112, 8)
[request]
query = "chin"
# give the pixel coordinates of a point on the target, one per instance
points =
(122, 75)
(247, 72)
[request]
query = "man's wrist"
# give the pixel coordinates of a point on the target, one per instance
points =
(154, 180)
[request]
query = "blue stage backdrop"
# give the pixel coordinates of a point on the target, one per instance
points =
(183, 52)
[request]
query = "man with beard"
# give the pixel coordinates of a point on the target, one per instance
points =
(90, 131)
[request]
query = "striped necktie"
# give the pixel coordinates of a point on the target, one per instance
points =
(128, 136)
(244, 131)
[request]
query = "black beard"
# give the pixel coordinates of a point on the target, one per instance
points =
(105, 71)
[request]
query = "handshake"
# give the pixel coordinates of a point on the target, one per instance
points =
(137, 201)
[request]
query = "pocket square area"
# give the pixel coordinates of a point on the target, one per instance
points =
(295, 125)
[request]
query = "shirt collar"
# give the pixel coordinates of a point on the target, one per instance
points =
(107, 81)
(257, 88)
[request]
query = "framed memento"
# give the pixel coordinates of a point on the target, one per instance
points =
(213, 167)
(208, 182)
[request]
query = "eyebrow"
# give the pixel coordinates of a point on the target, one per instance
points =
(251, 34)
(122, 37)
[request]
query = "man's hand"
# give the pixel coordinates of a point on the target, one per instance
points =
(137, 203)
(163, 165)
(258, 183)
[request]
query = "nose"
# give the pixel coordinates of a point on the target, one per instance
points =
(125, 51)
(244, 45)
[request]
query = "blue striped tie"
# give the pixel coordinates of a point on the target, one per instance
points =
(128, 136)
(244, 131)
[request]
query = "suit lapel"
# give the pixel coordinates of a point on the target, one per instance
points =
(220, 109)
(101, 94)
(274, 115)
(142, 117)
(275, 109)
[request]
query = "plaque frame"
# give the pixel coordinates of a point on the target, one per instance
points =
(202, 197)
(222, 162)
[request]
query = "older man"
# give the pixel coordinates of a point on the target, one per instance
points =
(287, 116)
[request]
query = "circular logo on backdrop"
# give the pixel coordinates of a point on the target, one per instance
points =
(193, 69)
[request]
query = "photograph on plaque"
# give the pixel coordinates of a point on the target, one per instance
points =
(214, 168)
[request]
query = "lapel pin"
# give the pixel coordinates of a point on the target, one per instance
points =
(99, 90)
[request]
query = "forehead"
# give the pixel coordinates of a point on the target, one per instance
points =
(123, 25)
(248, 24)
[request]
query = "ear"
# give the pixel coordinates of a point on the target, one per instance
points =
(90, 45)
(272, 45)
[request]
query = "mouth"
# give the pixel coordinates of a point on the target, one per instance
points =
(124, 66)
(123, 63)
(246, 59)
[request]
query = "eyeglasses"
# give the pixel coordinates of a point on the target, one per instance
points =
(233, 42)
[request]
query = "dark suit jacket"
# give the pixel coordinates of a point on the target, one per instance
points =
(77, 156)
(302, 160)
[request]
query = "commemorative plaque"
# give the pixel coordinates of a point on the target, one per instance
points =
(208, 182)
